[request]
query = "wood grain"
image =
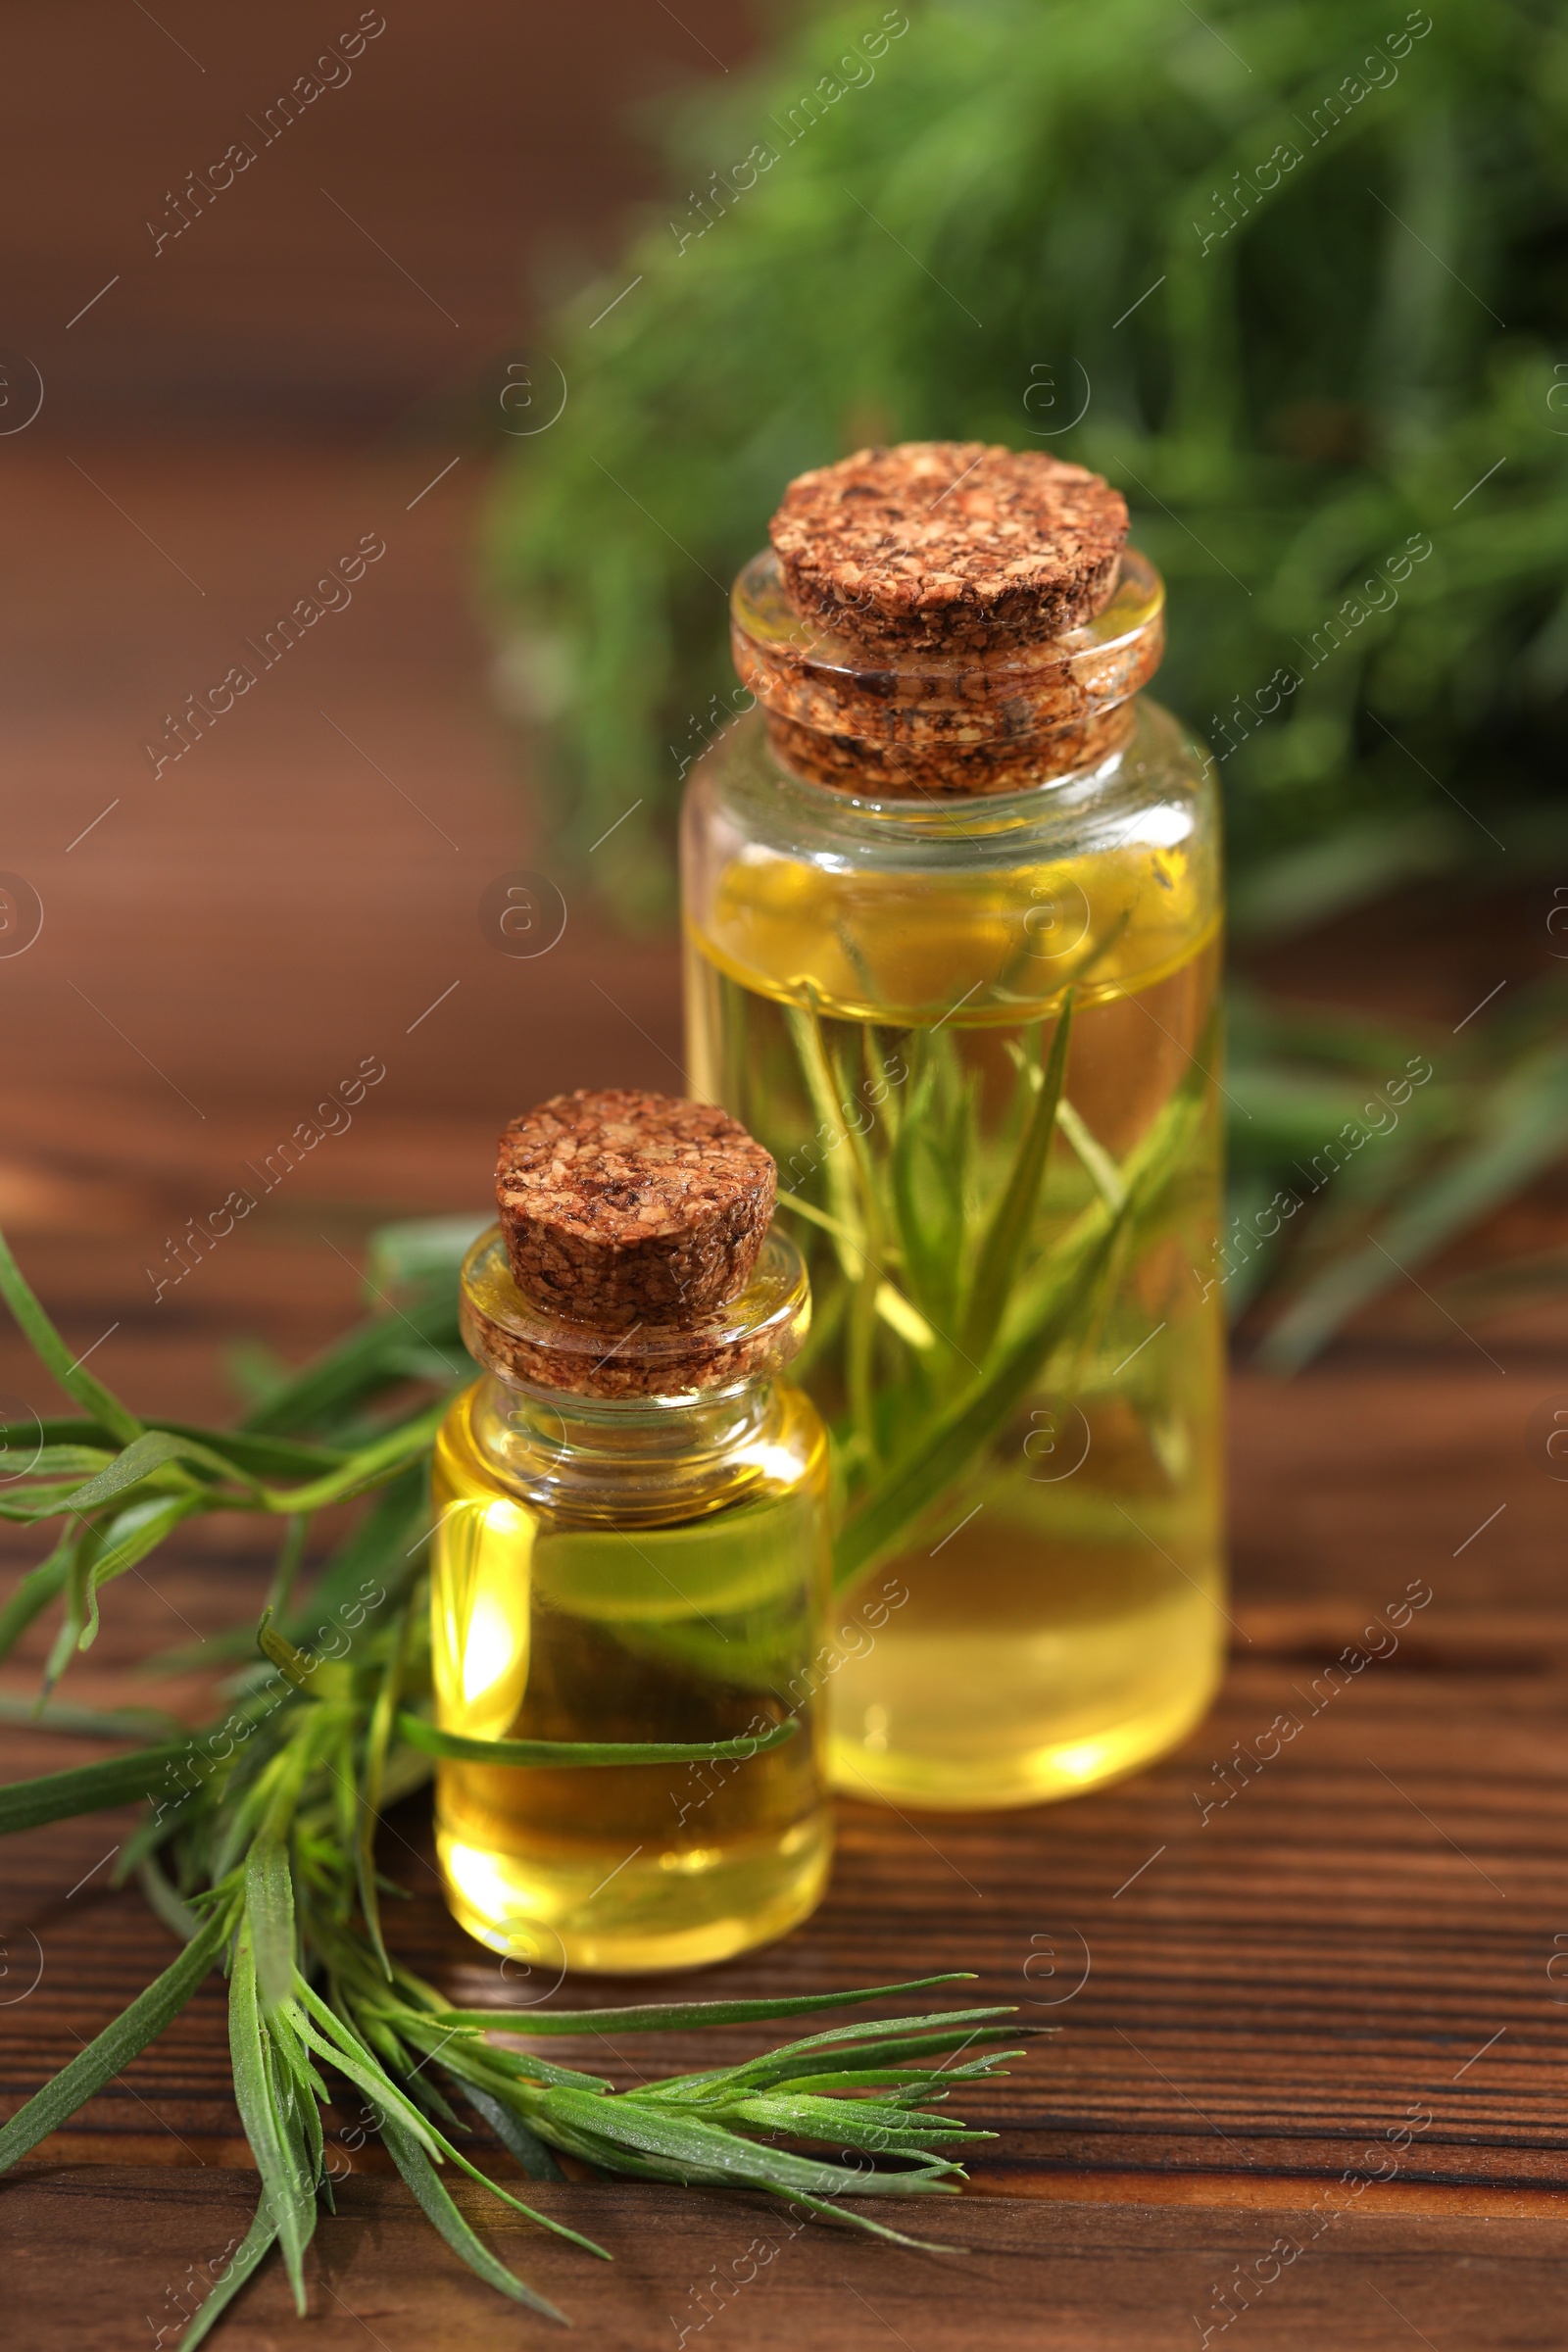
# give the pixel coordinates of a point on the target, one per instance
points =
(372, 267)
(113, 2254)
(1248, 2003)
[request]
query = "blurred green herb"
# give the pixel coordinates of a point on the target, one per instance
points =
(1326, 358)
(257, 1848)
(1357, 1156)
(1293, 280)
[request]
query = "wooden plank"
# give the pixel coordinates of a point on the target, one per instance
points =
(1365, 1924)
(138, 2247)
(459, 144)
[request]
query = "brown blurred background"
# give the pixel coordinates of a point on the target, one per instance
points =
(317, 356)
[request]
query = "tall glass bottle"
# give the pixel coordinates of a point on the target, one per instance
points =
(645, 1564)
(953, 941)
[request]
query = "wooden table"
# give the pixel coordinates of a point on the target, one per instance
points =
(1369, 1935)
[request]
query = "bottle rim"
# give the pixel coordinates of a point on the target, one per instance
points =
(921, 815)
(961, 722)
(527, 1345)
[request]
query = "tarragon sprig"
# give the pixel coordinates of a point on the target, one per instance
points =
(939, 1259)
(257, 1848)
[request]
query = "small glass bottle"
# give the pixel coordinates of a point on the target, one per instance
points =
(631, 1545)
(909, 878)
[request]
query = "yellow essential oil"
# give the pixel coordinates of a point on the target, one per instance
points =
(875, 985)
(645, 1567)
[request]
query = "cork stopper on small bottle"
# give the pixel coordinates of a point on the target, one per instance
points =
(622, 1208)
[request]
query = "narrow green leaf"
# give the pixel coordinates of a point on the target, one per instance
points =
(448, 2149)
(141, 1724)
(819, 1216)
(910, 2083)
(112, 1547)
(951, 1440)
(23, 1463)
(800, 2062)
(259, 1456)
(881, 2125)
(436, 1743)
(696, 2151)
(372, 1466)
(36, 1590)
(1007, 1237)
(473, 2060)
(354, 1368)
(822, 2053)
(115, 2045)
(67, 1429)
(907, 2033)
(88, 1787)
(269, 1909)
(317, 1677)
(873, 2229)
(162, 1900)
(291, 1663)
(154, 1450)
(262, 1770)
(51, 1350)
(384, 1549)
(664, 2017)
(334, 2039)
(26, 1505)
(1524, 1129)
(74, 1616)
(287, 2029)
(420, 2175)
(299, 2122)
(368, 1795)
(1096, 1160)
(310, 1742)
(514, 2135)
(286, 1568)
(254, 2245)
(811, 1051)
(906, 1320)
(291, 2197)
(612, 2160)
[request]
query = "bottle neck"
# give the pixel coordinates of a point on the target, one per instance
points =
(649, 1460)
(933, 724)
(949, 773)
(537, 1351)
(650, 1426)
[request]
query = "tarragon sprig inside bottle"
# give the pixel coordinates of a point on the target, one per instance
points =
(951, 900)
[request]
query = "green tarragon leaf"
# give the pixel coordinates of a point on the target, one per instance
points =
(257, 2242)
(459, 1747)
(103, 1406)
(154, 1450)
(115, 2048)
(88, 1787)
(667, 2017)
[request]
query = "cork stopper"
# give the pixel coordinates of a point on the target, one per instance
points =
(950, 543)
(945, 621)
(622, 1208)
(526, 1346)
